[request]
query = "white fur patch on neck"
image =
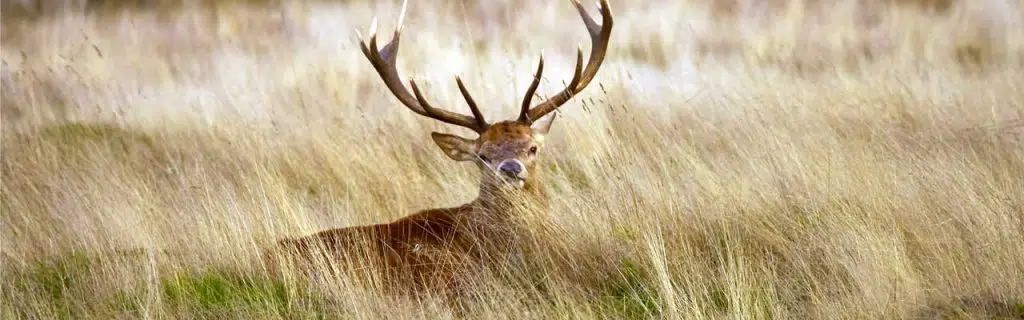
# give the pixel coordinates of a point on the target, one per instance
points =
(519, 183)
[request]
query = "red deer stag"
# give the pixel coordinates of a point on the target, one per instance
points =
(505, 152)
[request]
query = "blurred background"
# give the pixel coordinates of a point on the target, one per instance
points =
(123, 61)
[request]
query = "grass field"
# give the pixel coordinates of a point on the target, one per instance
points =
(733, 159)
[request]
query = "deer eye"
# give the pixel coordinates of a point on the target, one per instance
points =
(533, 150)
(483, 157)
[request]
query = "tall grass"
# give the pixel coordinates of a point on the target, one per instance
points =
(733, 159)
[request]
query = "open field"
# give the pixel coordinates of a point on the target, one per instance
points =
(733, 159)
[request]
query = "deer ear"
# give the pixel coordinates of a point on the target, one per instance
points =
(542, 125)
(457, 148)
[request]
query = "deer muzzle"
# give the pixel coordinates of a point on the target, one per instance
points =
(513, 171)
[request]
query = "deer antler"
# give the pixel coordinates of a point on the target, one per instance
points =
(599, 35)
(384, 62)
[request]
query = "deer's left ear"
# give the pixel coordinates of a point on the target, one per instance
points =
(542, 125)
(457, 148)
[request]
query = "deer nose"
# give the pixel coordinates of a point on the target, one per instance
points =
(512, 168)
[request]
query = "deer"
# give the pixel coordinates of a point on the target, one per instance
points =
(506, 153)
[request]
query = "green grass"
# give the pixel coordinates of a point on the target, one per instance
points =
(225, 291)
(629, 293)
(61, 284)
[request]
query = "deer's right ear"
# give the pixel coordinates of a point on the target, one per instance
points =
(543, 125)
(457, 148)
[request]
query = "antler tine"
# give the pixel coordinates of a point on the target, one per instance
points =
(599, 35)
(430, 110)
(472, 104)
(384, 62)
(523, 116)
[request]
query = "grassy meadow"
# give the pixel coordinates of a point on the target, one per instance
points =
(733, 159)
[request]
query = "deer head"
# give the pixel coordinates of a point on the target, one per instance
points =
(505, 151)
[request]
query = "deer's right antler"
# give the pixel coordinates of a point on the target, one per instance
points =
(599, 35)
(383, 61)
